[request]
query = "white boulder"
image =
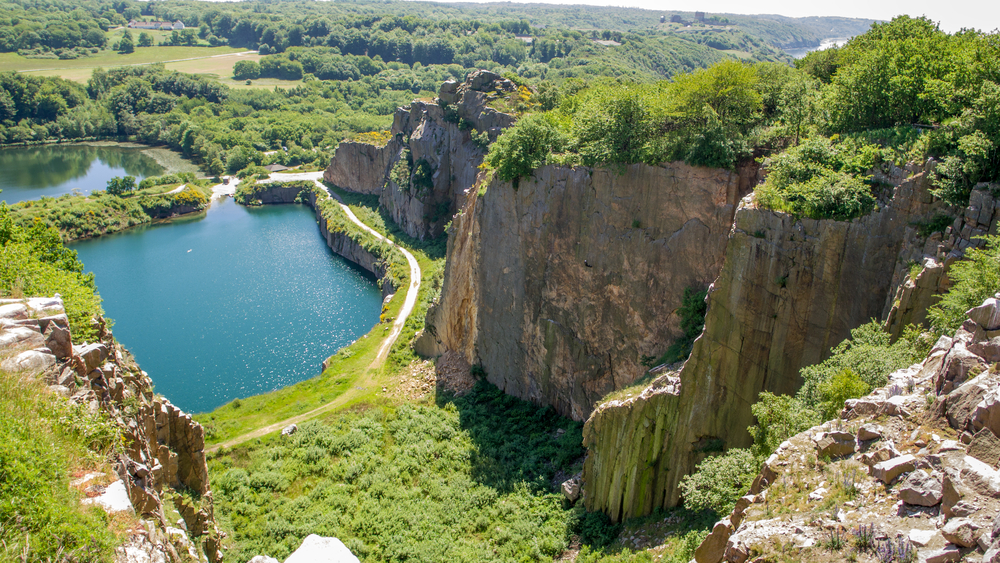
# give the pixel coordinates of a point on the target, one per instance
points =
(316, 549)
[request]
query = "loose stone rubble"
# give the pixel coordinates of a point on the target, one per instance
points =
(917, 459)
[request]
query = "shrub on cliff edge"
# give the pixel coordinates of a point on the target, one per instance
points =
(720, 481)
(974, 279)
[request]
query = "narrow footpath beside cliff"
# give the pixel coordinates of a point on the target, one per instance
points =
(368, 379)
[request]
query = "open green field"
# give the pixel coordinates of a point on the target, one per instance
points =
(217, 61)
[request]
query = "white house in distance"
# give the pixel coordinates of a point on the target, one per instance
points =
(134, 24)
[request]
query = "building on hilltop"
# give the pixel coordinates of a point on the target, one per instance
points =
(700, 16)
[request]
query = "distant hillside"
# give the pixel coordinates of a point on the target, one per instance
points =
(780, 31)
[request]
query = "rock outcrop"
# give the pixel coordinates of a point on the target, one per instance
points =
(423, 173)
(561, 288)
(164, 447)
(359, 167)
(790, 290)
(945, 501)
(934, 255)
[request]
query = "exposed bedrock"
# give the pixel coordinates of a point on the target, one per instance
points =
(431, 160)
(561, 287)
(360, 167)
(790, 290)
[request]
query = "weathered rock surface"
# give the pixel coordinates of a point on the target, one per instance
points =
(713, 547)
(31, 360)
(835, 444)
(921, 488)
(887, 471)
(985, 447)
(869, 432)
(163, 447)
(903, 513)
(361, 167)
(943, 555)
(790, 290)
(431, 152)
(561, 287)
(961, 532)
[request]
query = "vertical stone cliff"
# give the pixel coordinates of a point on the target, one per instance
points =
(423, 173)
(789, 291)
(561, 287)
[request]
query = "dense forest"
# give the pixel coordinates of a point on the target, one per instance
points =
(354, 63)
(406, 31)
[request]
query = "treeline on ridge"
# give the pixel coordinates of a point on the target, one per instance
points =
(825, 124)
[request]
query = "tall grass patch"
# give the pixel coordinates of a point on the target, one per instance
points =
(469, 479)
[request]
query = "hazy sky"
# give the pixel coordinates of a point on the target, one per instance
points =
(952, 15)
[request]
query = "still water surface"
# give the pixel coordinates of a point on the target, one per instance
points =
(54, 170)
(237, 302)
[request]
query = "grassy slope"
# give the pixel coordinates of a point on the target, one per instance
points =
(40, 514)
(460, 480)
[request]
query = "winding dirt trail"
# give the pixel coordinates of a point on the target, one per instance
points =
(368, 378)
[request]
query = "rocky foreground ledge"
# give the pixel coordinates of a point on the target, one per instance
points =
(908, 473)
(163, 454)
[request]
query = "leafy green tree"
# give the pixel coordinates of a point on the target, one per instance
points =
(145, 39)
(720, 481)
(615, 124)
(974, 279)
(524, 147)
(119, 187)
(246, 70)
(126, 46)
(820, 180)
(869, 354)
(820, 64)
(843, 385)
(779, 417)
(971, 144)
(729, 88)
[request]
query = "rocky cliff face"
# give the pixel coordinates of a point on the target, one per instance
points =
(789, 291)
(360, 167)
(918, 457)
(934, 255)
(164, 447)
(559, 289)
(423, 173)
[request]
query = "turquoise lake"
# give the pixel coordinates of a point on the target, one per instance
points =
(224, 304)
(54, 170)
(237, 302)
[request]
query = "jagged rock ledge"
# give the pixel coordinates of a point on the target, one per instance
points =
(789, 291)
(164, 447)
(561, 287)
(431, 151)
(919, 456)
